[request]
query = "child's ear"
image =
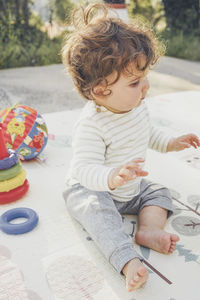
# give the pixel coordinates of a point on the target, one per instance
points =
(98, 90)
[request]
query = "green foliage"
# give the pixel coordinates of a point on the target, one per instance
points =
(62, 10)
(181, 45)
(22, 42)
(36, 20)
(183, 15)
(182, 30)
(27, 48)
(15, 12)
(150, 10)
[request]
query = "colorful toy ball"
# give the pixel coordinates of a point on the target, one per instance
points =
(24, 130)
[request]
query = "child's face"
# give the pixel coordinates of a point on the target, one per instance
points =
(126, 94)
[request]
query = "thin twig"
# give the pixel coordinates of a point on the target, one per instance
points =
(190, 208)
(197, 206)
(156, 271)
(194, 224)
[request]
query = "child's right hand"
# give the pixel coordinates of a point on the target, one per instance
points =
(129, 171)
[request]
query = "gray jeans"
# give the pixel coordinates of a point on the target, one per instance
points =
(101, 216)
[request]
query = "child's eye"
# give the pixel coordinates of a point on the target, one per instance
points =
(135, 83)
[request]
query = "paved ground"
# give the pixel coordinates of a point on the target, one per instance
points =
(50, 89)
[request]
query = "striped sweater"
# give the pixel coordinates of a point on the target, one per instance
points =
(104, 140)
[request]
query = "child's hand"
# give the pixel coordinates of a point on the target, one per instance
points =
(129, 171)
(183, 142)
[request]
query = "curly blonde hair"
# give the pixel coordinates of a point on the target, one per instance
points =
(101, 44)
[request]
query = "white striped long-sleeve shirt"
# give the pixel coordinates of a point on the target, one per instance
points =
(104, 140)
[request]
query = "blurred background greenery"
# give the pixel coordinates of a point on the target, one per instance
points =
(177, 22)
(31, 31)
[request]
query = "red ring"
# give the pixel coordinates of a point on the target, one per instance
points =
(15, 194)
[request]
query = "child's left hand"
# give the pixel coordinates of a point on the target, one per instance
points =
(183, 142)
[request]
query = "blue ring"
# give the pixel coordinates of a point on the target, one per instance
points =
(10, 161)
(21, 212)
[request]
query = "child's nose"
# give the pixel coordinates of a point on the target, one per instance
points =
(146, 84)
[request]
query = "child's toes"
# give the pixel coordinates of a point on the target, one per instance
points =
(172, 248)
(133, 285)
(174, 238)
(136, 279)
(142, 271)
(141, 276)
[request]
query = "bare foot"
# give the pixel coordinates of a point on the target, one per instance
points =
(136, 274)
(157, 239)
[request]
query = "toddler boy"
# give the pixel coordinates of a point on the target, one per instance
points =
(109, 61)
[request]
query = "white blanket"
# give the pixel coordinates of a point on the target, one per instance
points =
(58, 260)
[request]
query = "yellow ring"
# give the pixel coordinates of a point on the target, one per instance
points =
(10, 184)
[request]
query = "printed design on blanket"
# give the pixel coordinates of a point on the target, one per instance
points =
(74, 277)
(12, 284)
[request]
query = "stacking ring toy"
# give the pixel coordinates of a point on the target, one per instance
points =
(11, 172)
(10, 161)
(7, 185)
(15, 194)
(21, 212)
